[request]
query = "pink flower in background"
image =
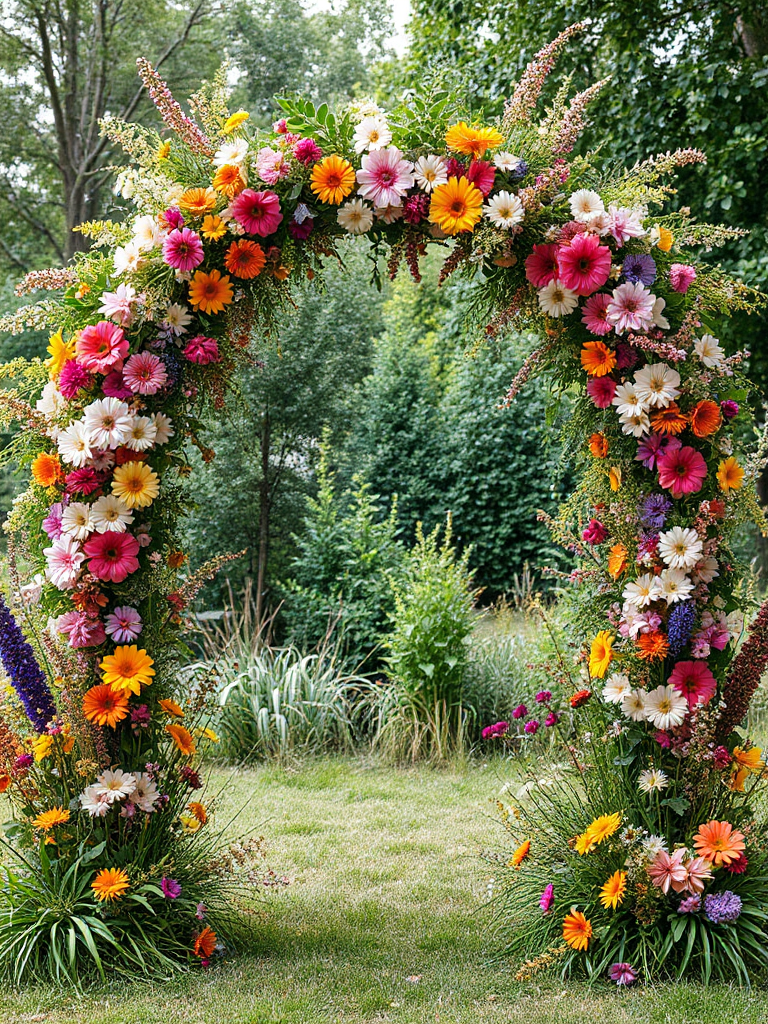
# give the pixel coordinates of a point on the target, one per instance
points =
(594, 532)
(112, 556)
(81, 630)
(520, 711)
(682, 470)
(173, 218)
(624, 223)
(384, 177)
(202, 350)
(649, 449)
(681, 277)
(482, 174)
(601, 390)
(307, 152)
(547, 899)
(171, 888)
(541, 265)
(114, 386)
(144, 373)
(100, 346)
(64, 559)
(257, 212)
(699, 871)
(124, 625)
(594, 314)
(73, 378)
(631, 308)
(52, 522)
(531, 728)
(183, 250)
(120, 305)
(301, 231)
(666, 871)
(271, 165)
(584, 265)
(416, 208)
(694, 680)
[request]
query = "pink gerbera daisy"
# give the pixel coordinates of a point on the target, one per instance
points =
(63, 559)
(183, 250)
(682, 470)
(202, 350)
(601, 390)
(694, 680)
(482, 175)
(73, 378)
(666, 871)
(124, 625)
(631, 308)
(100, 346)
(112, 555)
(541, 265)
(384, 176)
(584, 265)
(594, 314)
(257, 212)
(307, 152)
(144, 373)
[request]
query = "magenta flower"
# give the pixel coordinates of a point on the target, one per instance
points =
(112, 555)
(541, 265)
(602, 391)
(594, 314)
(307, 152)
(183, 250)
(594, 533)
(416, 208)
(124, 624)
(520, 711)
(531, 728)
(257, 212)
(171, 888)
(547, 899)
(729, 408)
(301, 230)
(82, 481)
(52, 522)
(482, 175)
(623, 974)
(543, 697)
(73, 378)
(649, 449)
(694, 680)
(144, 373)
(202, 350)
(384, 177)
(173, 218)
(681, 277)
(114, 386)
(682, 470)
(552, 719)
(584, 265)
(100, 346)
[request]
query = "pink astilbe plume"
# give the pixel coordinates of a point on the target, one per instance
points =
(572, 124)
(188, 130)
(528, 89)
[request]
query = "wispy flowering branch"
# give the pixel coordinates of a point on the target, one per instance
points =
(528, 89)
(170, 110)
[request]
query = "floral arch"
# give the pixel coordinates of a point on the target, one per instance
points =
(103, 766)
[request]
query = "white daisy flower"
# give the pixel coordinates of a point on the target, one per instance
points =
(507, 162)
(110, 513)
(116, 785)
(617, 687)
(430, 171)
(147, 233)
(657, 384)
(163, 427)
(177, 318)
(586, 204)
(95, 801)
(557, 300)
(504, 210)
(146, 794)
(638, 425)
(141, 434)
(127, 258)
(708, 349)
(652, 780)
(51, 402)
(371, 133)
(674, 586)
(108, 421)
(633, 705)
(680, 548)
(665, 707)
(642, 591)
(355, 216)
(75, 444)
(76, 520)
(231, 153)
(626, 401)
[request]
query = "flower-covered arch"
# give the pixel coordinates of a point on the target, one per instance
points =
(103, 766)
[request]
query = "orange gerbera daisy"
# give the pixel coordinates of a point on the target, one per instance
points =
(598, 445)
(670, 420)
(577, 930)
(110, 884)
(210, 292)
(520, 854)
(170, 707)
(198, 810)
(601, 654)
(456, 206)
(205, 943)
(333, 178)
(49, 819)
(730, 475)
(127, 668)
(198, 201)
(105, 706)
(719, 842)
(652, 646)
(597, 359)
(229, 181)
(182, 738)
(245, 259)
(46, 469)
(464, 138)
(617, 560)
(614, 890)
(706, 418)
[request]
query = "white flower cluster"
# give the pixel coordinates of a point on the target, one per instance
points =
(131, 790)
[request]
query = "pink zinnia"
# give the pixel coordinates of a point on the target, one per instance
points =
(594, 314)
(202, 350)
(584, 265)
(666, 871)
(112, 556)
(124, 625)
(482, 174)
(631, 308)
(81, 630)
(541, 265)
(547, 899)
(601, 390)
(144, 373)
(307, 151)
(82, 481)
(100, 346)
(694, 680)
(384, 177)
(73, 378)
(681, 277)
(183, 250)
(271, 165)
(682, 470)
(114, 386)
(257, 212)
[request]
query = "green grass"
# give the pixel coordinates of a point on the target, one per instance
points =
(387, 886)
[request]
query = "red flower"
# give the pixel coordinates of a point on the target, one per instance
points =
(584, 265)
(541, 265)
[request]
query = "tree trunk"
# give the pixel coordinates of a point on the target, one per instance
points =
(264, 510)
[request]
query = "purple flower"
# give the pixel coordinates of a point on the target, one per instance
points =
(729, 409)
(532, 727)
(140, 718)
(722, 907)
(680, 626)
(124, 625)
(174, 218)
(649, 449)
(171, 888)
(654, 510)
(520, 711)
(25, 674)
(639, 269)
(690, 905)
(623, 974)
(543, 696)
(52, 522)
(626, 355)
(547, 899)
(22, 762)
(552, 719)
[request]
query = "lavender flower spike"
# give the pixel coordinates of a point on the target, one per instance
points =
(24, 672)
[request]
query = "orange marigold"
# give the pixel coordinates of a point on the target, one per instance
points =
(46, 469)
(198, 201)
(670, 420)
(198, 811)
(520, 853)
(333, 178)
(652, 646)
(719, 842)
(577, 930)
(706, 418)
(182, 738)
(617, 560)
(598, 445)
(229, 181)
(210, 292)
(580, 698)
(597, 359)
(245, 259)
(205, 943)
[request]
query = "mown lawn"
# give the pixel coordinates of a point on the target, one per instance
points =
(383, 921)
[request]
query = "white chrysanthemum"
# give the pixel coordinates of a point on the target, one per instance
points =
(141, 434)
(708, 349)
(586, 204)
(74, 444)
(658, 314)
(680, 547)
(706, 570)
(147, 233)
(430, 171)
(110, 513)
(507, 162)
(231, 153)
(177, 318)
(657, 384)
(627, 402)
(616, 688)
(674, 586)
(51, 402)
(371, 133)
(355, 216)
(116, 785)
(504, 210)
(665, 707)
(652, 780)
(108, 421)
(95, 801)
(653, 846)
(146, 794)
(633, 705)
(127, 258)
(557, 300)
(642, 591)
(163, 427)
(638, 425)
(76, 520)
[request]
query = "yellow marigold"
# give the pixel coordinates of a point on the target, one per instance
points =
(210, 292)
(601, 654)
(229, 180)
(198, 201)
(234, 121)
(170, 707)
(42, 746)
(464, 138)
(666, 238)
(110, 884)
(617, 560)
(584, 843)
(213, 227)
(136, 483)
(182, 738)
(520, 854)
(49, 819)
(59, 352)
(164, 150)
(603, 827)
(127, 668)
(190, 822)
(577, 930)
(46, 469)
(730, 475)
(333, 178)
(613, 892)
(456, 206)
(615, 477)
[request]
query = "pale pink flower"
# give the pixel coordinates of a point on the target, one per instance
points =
(120, 305)
(631, 308)
(64, 558)
(385, 177)
(144, 373)
(666, 871)
(271, 165)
